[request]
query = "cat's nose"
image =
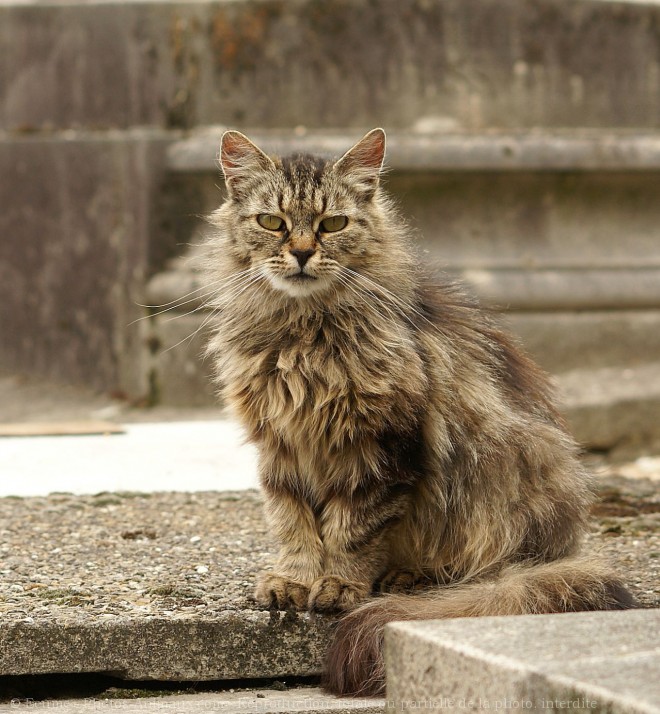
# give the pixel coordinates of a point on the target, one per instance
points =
(302, 256)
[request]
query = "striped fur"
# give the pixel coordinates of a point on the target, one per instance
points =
(405, 442)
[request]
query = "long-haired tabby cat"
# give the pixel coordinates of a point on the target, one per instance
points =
(405, 442)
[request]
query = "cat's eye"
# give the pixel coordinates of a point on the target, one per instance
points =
(333, 224)
(270, 222)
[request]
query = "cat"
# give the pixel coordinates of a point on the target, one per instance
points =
(412, 460)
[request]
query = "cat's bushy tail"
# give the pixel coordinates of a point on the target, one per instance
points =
(355, 659)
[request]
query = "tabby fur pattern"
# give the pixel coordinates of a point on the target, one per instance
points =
(406, 443)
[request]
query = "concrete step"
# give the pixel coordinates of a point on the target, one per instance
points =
(146, 586)
(613, 406)
(597, 661)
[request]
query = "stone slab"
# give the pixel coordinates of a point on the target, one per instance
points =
(147, 587)
(554, 290)
(562, 341)
(521, 220)
(230, 645)
(600, 662)
(306, 700)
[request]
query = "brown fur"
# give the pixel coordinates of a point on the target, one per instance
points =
(404, 440)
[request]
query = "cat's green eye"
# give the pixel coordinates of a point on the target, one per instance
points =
(333, 224)
(270, 222)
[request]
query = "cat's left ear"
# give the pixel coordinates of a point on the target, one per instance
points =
(363, 163)
(240, 160)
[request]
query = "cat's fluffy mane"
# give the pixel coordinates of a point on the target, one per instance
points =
(402, 435)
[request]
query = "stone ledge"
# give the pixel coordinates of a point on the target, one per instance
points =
(577, 150)
(606, 661)
(234, 645)
(609, 406)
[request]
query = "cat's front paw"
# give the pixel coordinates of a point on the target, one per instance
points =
(333, 594)
(277, 592)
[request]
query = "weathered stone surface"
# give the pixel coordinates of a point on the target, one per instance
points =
(456, 64)
(232, 645)
(601, 662)
(561, 290)
(545, 221)
(77, 226)
(158, 585)
(511, 146)
(146, 586)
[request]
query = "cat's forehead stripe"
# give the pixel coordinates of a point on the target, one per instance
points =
(301, 185)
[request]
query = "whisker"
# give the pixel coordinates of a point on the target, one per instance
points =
(179, 302)
(251, 280)
(397, 302)
(404, 339)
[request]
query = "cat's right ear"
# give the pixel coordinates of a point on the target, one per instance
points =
(240, 159)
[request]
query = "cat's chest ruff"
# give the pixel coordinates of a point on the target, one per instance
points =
(313, 384)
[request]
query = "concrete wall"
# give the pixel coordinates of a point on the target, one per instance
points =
(463, 64)
(75, 229)
(89, 213)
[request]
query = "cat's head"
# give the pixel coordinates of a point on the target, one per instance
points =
(303, 223)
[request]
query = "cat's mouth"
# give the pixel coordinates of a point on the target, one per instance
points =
(300, 277)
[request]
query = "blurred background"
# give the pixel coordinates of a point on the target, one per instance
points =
(523, 143)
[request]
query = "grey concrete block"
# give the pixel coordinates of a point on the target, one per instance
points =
(146, 586)
(601, 662)
(455, 64)
(307, 700)
(561, 290)
(532, 221)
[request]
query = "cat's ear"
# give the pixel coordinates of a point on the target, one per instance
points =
(240, 159)
(363, 163)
